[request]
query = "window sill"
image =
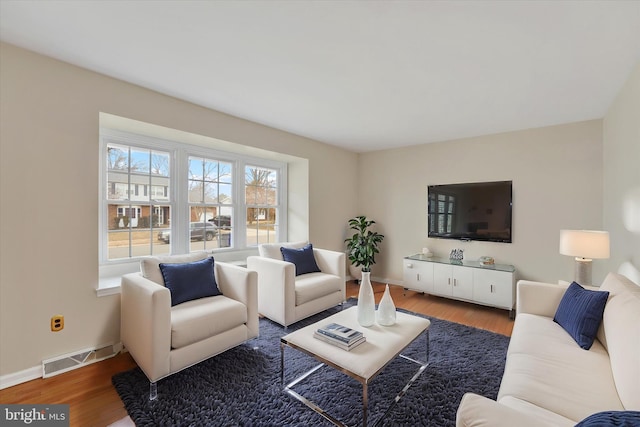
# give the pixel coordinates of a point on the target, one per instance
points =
(110, 275)
(108, 286)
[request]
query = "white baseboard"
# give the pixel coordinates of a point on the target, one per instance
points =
(16, 378)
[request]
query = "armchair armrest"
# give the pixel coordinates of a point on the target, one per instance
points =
(331, 262)
(145, 328)
(276, 288)
(478, 411)
(241, 285)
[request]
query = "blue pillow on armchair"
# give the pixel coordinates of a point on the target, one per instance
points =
(302, 258)
(190, 281)
(580, 313)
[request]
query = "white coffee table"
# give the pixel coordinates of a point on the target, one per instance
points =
(363, 363)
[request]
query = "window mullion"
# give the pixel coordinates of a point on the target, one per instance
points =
(180, 207)
(240, 237)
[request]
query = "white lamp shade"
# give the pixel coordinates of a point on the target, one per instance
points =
(584, 243)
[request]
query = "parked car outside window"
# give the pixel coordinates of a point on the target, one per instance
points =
(221, 221)
(197, 231)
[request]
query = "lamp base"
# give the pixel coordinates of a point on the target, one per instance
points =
(583, 271)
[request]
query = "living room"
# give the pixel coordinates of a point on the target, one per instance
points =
(567, 174)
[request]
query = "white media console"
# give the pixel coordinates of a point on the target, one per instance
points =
(493, 285)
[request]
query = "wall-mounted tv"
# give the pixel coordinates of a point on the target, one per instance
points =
(472, 211)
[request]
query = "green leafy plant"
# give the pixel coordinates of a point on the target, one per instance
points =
(362, 247)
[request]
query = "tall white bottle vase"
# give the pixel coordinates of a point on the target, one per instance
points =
(366, 302)
(386, 314)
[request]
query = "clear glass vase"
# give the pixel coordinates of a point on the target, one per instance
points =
(386, 314)
(366, 302)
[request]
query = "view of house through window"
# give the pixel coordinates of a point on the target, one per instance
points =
(138, 203)
(164, 197)
(210, 203)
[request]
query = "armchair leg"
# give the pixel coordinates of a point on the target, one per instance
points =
(153, 390)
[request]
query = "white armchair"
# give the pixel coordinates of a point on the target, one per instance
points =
(285, 297)
(164, 339)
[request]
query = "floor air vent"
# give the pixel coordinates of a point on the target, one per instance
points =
(67, 362)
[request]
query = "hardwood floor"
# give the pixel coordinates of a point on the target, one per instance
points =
(94, 402)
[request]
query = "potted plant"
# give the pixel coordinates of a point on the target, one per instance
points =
(362, 248)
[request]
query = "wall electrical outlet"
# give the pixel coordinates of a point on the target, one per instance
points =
(57, 323)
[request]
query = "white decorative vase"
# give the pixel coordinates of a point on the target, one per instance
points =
(386, 314)
(366, 302)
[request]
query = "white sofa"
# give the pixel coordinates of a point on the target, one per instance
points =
(286, 298)
(549, 380)
(164, 339)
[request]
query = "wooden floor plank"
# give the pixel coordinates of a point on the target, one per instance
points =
(94, 402)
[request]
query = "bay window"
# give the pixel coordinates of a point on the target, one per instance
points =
(167, 197)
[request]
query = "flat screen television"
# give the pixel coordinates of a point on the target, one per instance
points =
(472, 211)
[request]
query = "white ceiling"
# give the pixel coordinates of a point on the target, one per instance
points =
(363, 75)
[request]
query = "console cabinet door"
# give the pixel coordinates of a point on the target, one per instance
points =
(462, 281)
(494, 288)
(442, 283)
(418, 276)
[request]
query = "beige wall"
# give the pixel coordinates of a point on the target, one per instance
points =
(557, 183)
(622, 174)
(49, 185)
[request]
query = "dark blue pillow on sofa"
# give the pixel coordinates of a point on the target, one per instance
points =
(612, 419)
(580, 313)
(189, 281)
(302, 258)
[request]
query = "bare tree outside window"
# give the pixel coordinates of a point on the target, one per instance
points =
(262, 204)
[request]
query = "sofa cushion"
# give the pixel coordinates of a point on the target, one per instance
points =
(580, 313)
(199, 319)
(302, 258)
(272, 250)
(312, 286)
(150, 266)
(612, 419)
(546, 368)
(621, 333)
(190, 281)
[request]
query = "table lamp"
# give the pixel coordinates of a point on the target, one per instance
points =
(584, 245)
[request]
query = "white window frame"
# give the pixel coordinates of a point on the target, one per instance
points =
(110, 270)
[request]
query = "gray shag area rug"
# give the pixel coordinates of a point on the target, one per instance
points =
(242, 386)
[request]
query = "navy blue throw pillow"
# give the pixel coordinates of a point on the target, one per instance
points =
(302, 258)
(612, 419)
(189, 281)
(580, 313)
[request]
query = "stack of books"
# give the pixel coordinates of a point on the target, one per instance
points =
(340, 336)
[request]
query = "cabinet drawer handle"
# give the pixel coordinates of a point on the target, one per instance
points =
(491, 288)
